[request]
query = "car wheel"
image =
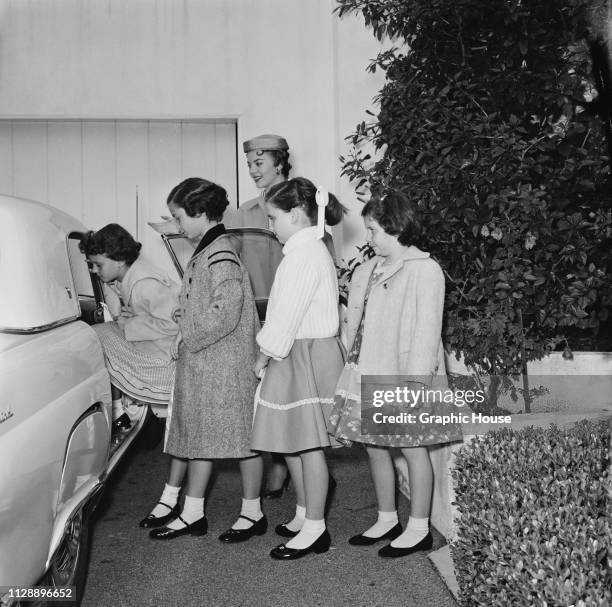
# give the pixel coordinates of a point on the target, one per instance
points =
(69, 564)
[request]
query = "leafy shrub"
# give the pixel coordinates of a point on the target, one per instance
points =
(533, 523)
(487, 121)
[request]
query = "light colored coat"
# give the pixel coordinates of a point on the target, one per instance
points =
(152, 297)
(403, 317)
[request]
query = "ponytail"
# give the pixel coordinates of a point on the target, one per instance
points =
(301, 192)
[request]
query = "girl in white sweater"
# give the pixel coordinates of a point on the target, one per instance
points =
(300, 357)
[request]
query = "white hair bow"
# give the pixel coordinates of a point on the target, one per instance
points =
(322, 198)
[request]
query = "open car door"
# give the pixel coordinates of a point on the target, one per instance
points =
(258, 249)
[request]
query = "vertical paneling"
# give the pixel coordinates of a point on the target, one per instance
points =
(6, 157)
(99, 174)
(92, 169)
(164, 153)
(30, 160)
(198, 150)
(225, 159)
(65, 167)
(132, 175)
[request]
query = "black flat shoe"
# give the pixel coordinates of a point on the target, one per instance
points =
(363, 540)
(390, 552)
(273, 494)
(199, 527)
(233, 536)
(320, 545)
(284, 531)
(150, 521)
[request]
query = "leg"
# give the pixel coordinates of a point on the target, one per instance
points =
(198, 475)
(251, 520)
(251, 471)
(277, 476)
(294, 464)
(199, 471)
(178, 469)
(383, 477)
(164, 509)
(192, 519)
(316, 483)
(421, 480)
(416, 536)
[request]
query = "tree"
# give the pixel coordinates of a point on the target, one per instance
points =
(487, 120)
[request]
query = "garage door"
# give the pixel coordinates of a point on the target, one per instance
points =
(115, 170)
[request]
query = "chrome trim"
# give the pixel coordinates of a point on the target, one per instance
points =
(39, 329)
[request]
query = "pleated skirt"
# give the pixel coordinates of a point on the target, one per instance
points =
(295, 397)
(138, 374)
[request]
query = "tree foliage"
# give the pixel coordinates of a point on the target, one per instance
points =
(486, 120)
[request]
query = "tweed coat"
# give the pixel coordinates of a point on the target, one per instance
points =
(403, 317)
(215, 386)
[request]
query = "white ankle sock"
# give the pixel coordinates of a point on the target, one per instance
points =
(295, 524)
(193, 509)
(169, 497)
(386, 521)
(250, 508)
(416, 530)
(117, 409)
(308, 535)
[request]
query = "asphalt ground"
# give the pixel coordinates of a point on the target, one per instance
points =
(127, 568)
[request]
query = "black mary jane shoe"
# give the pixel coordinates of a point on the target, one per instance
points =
(233, 536)
(284, 531)
(199, 527)
(364, 540)
(151, 522)
(390, 552)
(274, 494)
(320, 545)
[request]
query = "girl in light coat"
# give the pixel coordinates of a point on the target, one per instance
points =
(137, 344)
(394, 322)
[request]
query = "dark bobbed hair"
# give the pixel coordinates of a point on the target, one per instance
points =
(113, 241)
(301, 192)
(397, 216)
(197, 196)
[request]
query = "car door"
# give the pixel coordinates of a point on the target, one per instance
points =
(258, 249)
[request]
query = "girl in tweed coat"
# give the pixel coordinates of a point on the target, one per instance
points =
(214, 386)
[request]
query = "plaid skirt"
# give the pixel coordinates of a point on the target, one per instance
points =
(137, 374)
(295, 397)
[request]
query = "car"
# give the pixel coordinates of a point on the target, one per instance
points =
(56, 437)
(55, 418)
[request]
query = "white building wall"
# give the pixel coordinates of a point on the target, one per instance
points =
(282, 66)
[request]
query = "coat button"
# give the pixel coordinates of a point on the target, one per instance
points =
(384, 285)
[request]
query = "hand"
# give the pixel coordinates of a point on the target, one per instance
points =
(124, 315)
(174, 346)
(260, 364)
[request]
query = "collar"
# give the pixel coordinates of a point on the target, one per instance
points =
(299, 238)
(411, 253)
(209, 238)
